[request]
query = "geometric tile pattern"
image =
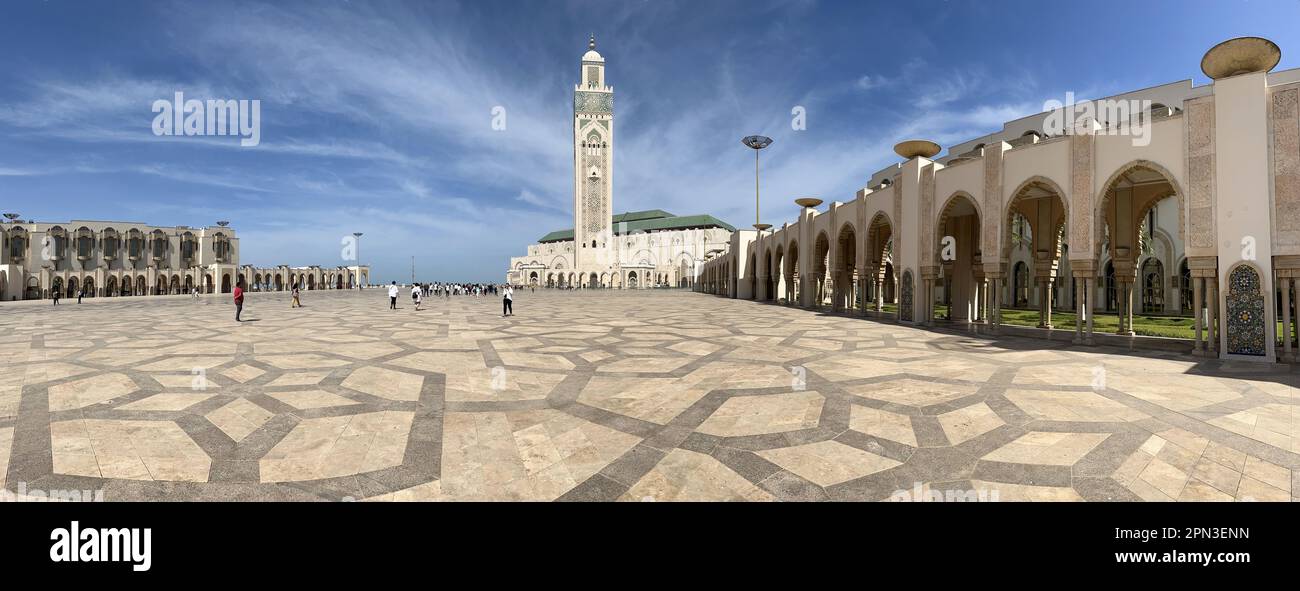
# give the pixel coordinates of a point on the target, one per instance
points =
(635, 396)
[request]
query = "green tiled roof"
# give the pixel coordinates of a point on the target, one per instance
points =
(633, 216)
(646, 221)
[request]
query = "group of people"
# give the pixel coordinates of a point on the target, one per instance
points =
(420, 291)
(451, 289)
(55, 295)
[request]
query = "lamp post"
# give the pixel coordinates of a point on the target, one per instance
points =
(356, 252)
(756, 143)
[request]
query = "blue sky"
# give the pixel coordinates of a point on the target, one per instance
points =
(376, 116)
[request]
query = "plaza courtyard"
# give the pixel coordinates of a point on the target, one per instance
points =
(638, 395)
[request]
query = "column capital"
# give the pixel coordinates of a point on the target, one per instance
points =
(1203, 266)
(996, 269)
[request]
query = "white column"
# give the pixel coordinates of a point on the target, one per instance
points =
(1198, 284)
(1286, 317)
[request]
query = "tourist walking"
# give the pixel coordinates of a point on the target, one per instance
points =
(297, 302)
(239, 302)
(55, 294)
(415, 297)
(507, 298)
(80, 293)
(392, 296)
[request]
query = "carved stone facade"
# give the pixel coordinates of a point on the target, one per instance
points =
(1196, 219)
(1200, 163)
(1286, 172)
(113, 259)
(629, 250)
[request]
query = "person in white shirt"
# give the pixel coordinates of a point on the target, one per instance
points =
(507, 298)
(415, 297)
(392, 296)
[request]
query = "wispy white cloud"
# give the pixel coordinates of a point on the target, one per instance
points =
(378, 119)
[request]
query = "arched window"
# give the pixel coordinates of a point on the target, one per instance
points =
(1112, 299)
(1020, 285)
(109, 241)
(187, 246)
(134, 244)
(905, 302)
(17, 244)
(221, 246)
(158, 239)
(1185, 288)
(57, 242)
(1153, 287)
(85, 243)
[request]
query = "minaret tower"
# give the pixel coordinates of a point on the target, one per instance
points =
(593, 162)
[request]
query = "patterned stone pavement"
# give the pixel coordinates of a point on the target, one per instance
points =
(612, 396)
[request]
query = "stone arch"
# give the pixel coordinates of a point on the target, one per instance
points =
(960, 218)
(776, 276)
(1009, 211)
(820, 264)
(644, 256)
(950, 206)
(769, 279)
(1124, 235)
(1102, 198)
(846, 267)
(792, 273)
(878, 253)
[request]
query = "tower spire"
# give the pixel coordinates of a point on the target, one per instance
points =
(592, 43)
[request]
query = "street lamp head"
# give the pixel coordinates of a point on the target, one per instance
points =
(757, 142)
(223, 223)
(357, 234)
(761, 227)
(12, 217)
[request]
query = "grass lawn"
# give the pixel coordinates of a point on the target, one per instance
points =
(1152, 326)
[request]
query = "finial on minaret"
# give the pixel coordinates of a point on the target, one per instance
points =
(592, 44)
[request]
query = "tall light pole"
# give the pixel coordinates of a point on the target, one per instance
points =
(356, 252)
(757, 142)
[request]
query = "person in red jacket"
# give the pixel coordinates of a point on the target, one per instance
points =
(239, 302)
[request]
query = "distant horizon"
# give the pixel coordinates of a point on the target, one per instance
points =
(379, 118)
